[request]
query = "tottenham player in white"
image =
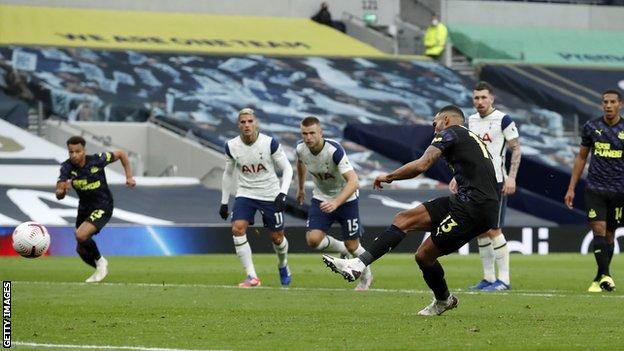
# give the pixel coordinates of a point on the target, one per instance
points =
(334, 197)
(255, 156)
(498, 131)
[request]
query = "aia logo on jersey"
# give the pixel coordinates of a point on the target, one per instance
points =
(323, 176)
(486, 137)
(253, 168)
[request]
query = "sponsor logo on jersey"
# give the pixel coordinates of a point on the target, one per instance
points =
(83, 184)
(323, 176)
(604, 150)
(253, 168)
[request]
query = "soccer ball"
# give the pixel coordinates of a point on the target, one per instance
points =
(31, 239)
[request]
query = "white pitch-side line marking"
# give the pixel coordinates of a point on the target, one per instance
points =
(99, 347)
(528, 293)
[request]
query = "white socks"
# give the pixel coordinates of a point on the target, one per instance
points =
(499, 244)
(282, 253)
(243, 251)
(486, 251)
(330, 244)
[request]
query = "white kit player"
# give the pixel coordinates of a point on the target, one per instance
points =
(255, 157)
(498, 131)
(335, 195)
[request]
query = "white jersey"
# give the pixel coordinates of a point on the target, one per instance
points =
(495, 130)
(255, 166)
(327, 169)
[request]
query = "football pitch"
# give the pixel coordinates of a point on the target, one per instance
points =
(191, 302)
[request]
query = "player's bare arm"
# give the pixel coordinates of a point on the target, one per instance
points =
(412, 169)
(61, 189)
(301, 177)
(352, 185)
(577, 170)
(510, 183)
(453, 186)
(125, 162)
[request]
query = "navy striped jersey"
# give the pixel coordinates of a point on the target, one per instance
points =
(471, 163)
(606, 144)
(89, 181)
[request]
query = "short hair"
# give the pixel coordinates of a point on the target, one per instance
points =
(614, 92)
(309, 121)
(75, 140)
(246, 111)
(484, 86)
(453, 110)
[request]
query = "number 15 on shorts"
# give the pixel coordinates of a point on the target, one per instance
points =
(353, 226)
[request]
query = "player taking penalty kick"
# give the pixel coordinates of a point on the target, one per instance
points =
(453, 220)
(255, 157)
(335, 194)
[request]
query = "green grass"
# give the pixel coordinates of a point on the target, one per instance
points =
(189, 302)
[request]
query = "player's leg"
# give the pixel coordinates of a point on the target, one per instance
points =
(86, 246)
(488, 260)
(274, 221)
(348, 216)
(418, 218)
(614, 220)
(596, 204)
(433, 274)
(502, 261)
(242, 216)
(318, 225)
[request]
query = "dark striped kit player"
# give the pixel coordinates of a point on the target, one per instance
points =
(453, 220)
(603, 138)
(86, 175)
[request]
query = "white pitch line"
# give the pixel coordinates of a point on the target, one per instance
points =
(528, 293)
(99, 347)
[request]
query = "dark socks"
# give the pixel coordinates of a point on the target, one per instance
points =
(601, 253)
(610, 250)
(88, 252)
(434, 277)
(385, 242)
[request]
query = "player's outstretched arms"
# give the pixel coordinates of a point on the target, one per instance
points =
(125, 162)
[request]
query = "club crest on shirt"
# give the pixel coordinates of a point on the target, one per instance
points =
(621, 135)
(94, 169)
(592, 213)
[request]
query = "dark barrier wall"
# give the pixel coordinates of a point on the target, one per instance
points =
(129, 240)
(541, 186)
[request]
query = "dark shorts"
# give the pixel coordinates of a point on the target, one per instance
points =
(502, 206)
(96, 216)
(347, 215)
(605, 206)
(454, 224)
(245, 209)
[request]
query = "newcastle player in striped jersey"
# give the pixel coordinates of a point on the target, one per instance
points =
(604, 191)
(85, 173)
(453, 220)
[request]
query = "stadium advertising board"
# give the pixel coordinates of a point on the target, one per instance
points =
(138, 240)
